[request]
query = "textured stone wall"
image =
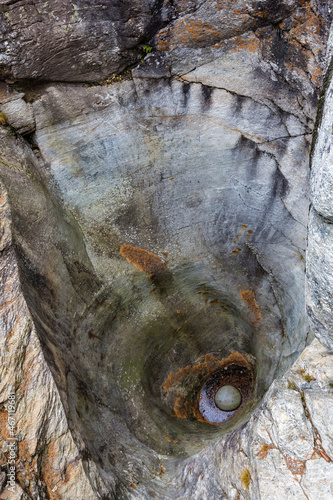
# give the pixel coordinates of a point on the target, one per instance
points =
(155, 225)
(320, 222)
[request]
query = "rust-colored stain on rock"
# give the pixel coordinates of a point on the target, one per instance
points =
(142, 259)
(296, 43)
(249, 299)
(296, 467)
(264, 450)
(186, 383)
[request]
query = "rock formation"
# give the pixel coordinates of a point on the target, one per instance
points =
(154, 169)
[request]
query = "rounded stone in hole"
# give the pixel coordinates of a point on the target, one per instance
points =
(237, 375)
(228, 398)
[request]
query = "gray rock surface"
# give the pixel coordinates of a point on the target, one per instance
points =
(18, 113)
(158, 225)
(45, 452)
(127, 169)
(73, 41)
(284, 451)
(320, 255)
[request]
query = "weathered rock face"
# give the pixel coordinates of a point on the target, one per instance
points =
(67, 41)
(159, 223)
(88, 41)
(320, 223)
(215, 196)
(44, 449)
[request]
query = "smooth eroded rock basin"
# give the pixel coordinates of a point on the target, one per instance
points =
(161, 237)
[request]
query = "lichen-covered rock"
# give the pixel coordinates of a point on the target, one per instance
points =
(159, 228)
(85, 41)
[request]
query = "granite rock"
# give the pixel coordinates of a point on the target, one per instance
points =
(284, 451)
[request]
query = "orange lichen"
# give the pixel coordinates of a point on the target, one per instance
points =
(195, 30)
(296, 467)
(206, 367)
(162, 42)
(264, 449)
(301, 34)
(188, 32)
(171, 440)
(181, 407)
(246, 42)
(308, 31)
(142, 259)
(248, 298)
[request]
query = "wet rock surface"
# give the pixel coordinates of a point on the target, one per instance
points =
(159, 225)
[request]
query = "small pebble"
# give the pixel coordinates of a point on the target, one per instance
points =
(228, 398)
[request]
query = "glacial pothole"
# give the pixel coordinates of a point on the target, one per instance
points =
(165, 266)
